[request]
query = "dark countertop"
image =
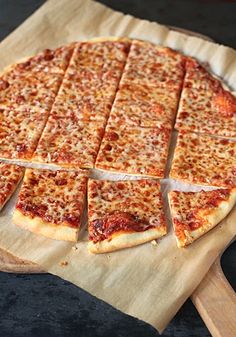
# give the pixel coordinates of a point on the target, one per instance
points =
(45, 305)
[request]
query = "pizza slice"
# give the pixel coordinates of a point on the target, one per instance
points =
(143, 105)
(20, 130)
(10, 176)
(134, 150)
(51, 61)
(51, 203)
(204, 160)
(195, 213)
(34, 82)
(124, 214)
(91, 80)
(69, 142)
(205, 105)
(150, 64)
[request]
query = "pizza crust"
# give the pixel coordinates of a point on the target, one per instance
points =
(211, 219)
(47, 229)
(125, 240)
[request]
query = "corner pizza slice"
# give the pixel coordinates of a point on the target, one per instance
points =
(204, 160)
(135, 150)
(205, 105)
(124, 214)
(69, 142)
(10, 176)
(143, 105)
(151, 64)
(51, 203)
(34, 82)
(195, 213)
(20, 130)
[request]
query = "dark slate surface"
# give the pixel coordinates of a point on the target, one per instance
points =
(45, 305)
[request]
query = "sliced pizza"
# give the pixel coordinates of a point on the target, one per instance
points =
(204, 160)
(10, 176)
(91, 80)
(143, 105)
(195, 213)
(20, 130)
(134, 150)
(205, 105)
(51, 203)
(69, 142)
(124, 214)
(151, 64)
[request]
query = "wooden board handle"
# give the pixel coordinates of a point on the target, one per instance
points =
(215, 301)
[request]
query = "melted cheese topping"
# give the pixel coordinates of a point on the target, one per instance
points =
(69, 142)
(151, 64)
(57, 197)
(205, 106)
(134, 150)
(91, 80)
(193, 211)
(35, 82)
(10, 176)
(142, 105)
(204, 160)
(20, 130)
(125, 205)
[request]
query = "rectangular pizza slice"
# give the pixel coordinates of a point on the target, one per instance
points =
(205, 105)
(51, 203)
(69, 142)
(204, 160)
(143, 105)
(10, 176)
(135, 150)
(124, 214)
(195, 213)
(151, 64)
(20, 130)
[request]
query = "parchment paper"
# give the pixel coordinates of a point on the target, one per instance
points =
(149, 282)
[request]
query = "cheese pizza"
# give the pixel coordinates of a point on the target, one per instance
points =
(134, 150)
(123, 214)
(51, 203)
(205, 106)
(195, 213)
(204, 160)
(10, 176)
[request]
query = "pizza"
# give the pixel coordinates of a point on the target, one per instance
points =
(204, 160)
(150, 64)
(205, 105)
(90, 83)
(143, 105)
(69, 142)
(195, 213)
(10, 176)
(110, 104)
(124, 214)
(134, 150)
(20, 130)
(51, 203)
